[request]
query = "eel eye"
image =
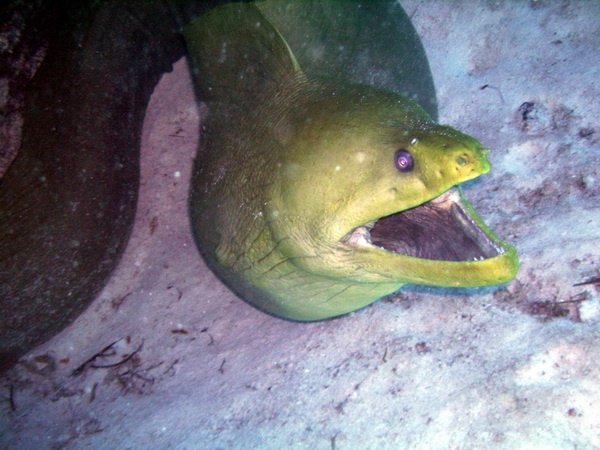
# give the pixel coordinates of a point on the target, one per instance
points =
(403, 160)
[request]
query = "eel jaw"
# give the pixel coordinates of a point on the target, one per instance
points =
(445, 228)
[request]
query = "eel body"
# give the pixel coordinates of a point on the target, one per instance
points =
(67, 202)
(314, 196)
(319, 187)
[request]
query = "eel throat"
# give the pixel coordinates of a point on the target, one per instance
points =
(444, 229)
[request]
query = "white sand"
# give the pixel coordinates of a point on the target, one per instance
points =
(428, 368)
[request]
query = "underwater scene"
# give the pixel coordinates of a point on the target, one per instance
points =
(331, 224)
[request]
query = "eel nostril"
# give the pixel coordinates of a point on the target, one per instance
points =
(462, 160)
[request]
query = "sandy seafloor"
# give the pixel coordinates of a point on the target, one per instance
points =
(514, 367)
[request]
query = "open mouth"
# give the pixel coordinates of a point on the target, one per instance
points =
(441, 229)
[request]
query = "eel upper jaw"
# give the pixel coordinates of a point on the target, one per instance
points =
(441, 229)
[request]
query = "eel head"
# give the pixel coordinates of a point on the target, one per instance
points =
(383, 203)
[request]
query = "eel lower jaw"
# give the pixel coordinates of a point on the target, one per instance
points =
(445, 228)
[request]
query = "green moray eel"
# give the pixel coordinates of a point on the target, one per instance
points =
(309, 156)
(300, 205)
(67, 202)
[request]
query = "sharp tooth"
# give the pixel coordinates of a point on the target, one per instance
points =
(450, 196)
(360, 237)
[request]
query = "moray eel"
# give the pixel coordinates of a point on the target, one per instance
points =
(318, 187)
(67, 202)
(313, 197)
